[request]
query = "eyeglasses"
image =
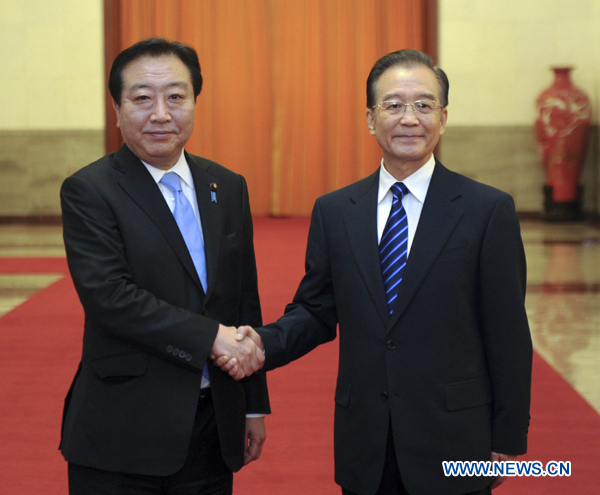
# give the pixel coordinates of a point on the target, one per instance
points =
(420, 107)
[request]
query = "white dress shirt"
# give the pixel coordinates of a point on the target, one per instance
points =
(182, 169)
(417, 185)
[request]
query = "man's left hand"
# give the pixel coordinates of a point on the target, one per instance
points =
(501, 458)
(256, 434)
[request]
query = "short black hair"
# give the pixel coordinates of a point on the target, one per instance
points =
(409, 59)
(154, 47)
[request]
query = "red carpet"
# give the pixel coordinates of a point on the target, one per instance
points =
(40, 343)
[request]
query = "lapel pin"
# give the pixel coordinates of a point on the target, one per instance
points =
(213, 192)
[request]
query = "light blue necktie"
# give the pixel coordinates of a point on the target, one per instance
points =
(188, 225)
(393, 247)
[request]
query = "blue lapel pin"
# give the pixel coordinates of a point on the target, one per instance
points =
(213, 192)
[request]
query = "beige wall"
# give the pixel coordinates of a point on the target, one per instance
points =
(498, 55)
(51, 64)
(51, 99)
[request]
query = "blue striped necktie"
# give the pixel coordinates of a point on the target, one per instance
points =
(188, 224)
(393, 247)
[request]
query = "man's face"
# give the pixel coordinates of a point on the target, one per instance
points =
(407, 139)
(156, 115)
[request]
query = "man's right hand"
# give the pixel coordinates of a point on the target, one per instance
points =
(229, 363)
(240, 356)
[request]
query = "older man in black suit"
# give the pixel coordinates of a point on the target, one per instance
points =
(424, 271)
(159, 245)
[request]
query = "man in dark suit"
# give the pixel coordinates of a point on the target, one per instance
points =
(435, 350)
(145, 413)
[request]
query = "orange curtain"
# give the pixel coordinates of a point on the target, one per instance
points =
(283, 101)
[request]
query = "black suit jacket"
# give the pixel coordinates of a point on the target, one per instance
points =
(451, 368)
(149, 327)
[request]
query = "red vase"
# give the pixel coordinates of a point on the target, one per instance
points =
(562, 133)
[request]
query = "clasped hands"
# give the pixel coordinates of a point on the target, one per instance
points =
(239, 352)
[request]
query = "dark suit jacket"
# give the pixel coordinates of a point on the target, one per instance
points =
(149, 327)
(451, 368)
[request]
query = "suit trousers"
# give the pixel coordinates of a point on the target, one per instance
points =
(391, 481)
(204, 471)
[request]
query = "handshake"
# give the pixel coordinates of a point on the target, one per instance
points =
(239, 352)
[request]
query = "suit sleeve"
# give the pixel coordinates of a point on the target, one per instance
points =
(505, 329)
(112, 301)
(311, 318)
(255, 386)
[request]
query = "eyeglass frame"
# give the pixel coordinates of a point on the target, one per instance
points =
(415, 111)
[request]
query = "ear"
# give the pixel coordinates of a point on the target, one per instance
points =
(117, 111)
(371, 121)
(443, 120)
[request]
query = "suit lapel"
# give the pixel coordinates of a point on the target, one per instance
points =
(361, 227)
(139, 185)
(210, 215)
(438, 220)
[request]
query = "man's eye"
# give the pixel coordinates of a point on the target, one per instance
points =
(391, 105)
(425, 105)
(142, 98)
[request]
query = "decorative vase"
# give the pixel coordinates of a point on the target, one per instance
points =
(562, 133)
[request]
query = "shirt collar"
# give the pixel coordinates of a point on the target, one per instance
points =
(417, 183)
(181, 168)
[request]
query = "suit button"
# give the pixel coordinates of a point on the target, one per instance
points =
(384, 396)
(188, 357)
(391, 344)
(182, 354)
(169, 349)
(175, 352)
